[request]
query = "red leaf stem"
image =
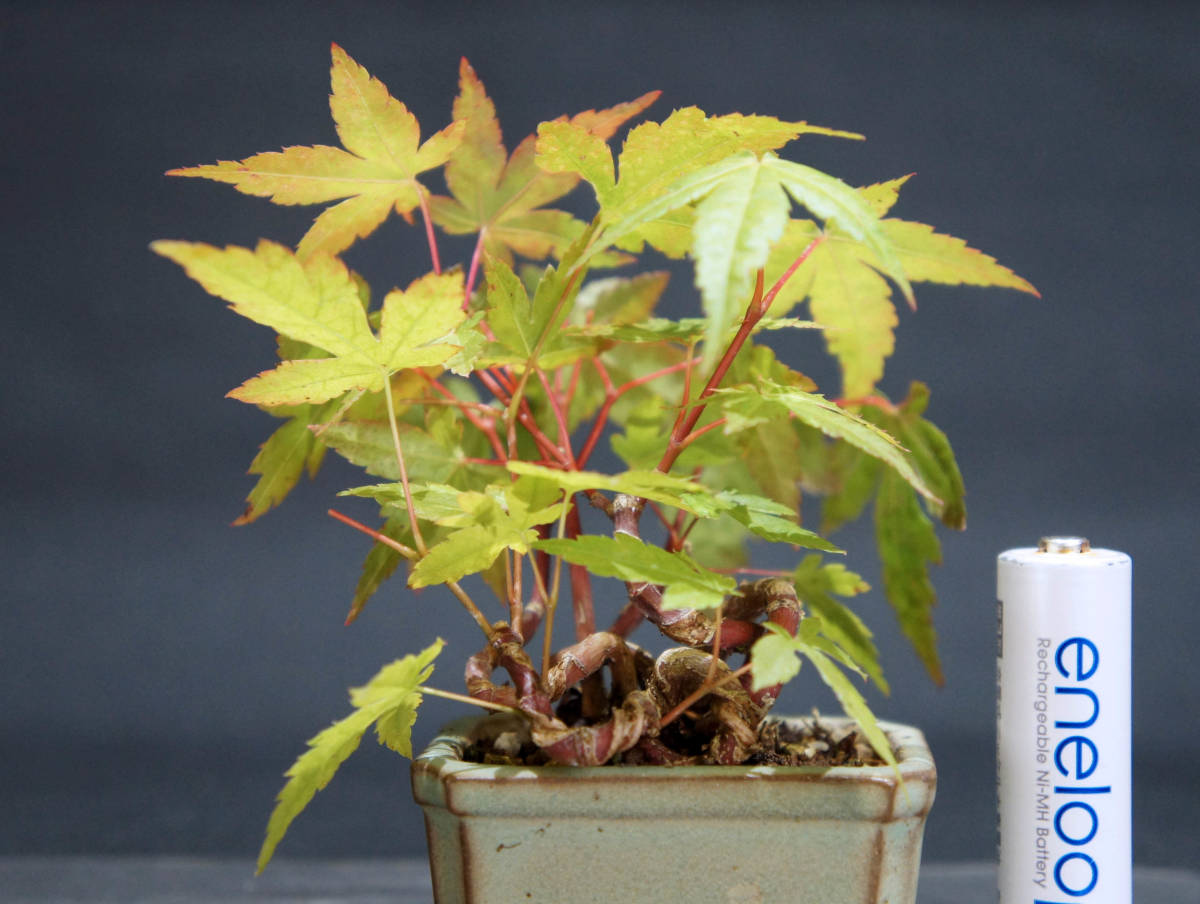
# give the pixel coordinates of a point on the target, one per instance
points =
(696, 434)
(564, 433)
(525, 418)
(430, 236)
(760, 303)
(473, 270)
(612, 394)
(453, 586)
(484, 425)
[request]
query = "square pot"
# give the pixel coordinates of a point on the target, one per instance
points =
(728, 834)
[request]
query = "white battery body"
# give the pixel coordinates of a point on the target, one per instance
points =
(1063, 724)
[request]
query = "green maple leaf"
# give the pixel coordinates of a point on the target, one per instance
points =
(686, 583)
(851, 301)
(755, 405)
(930, 452)
(655, 156)
(316, 301)
(905, 536)
(483, 527)
(389, 701)
(767, 518)
(907, 547)
(849, 298)
(287, 454)
(376, 173)
(381, 562)
(504, 198)
(774, 657)
(741, 210)
(528, 330)
(777, 528)
(429, 459)
(518, 323)
(678, 492)
(856, 481)
(617, 301)
(818, 583)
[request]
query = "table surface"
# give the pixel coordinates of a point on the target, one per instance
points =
(178, 880)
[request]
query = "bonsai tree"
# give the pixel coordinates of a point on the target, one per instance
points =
(477, 396)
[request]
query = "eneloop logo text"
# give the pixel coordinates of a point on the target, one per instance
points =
(1076, 822)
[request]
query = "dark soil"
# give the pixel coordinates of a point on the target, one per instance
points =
(811, 743)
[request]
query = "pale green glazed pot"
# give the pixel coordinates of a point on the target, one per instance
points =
(625, 834)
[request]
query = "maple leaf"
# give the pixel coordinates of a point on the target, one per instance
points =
(688, 585)
(503, 198)
(904, 535)
(817, 583)
(851, 301)
(287, 453)
(907, 546)
(848, 297)
(389, 701)
(656, 156)
(774, 658)
(380, 563)
(742, 203)
(369, 445)
(930, 452)
(316, 301)
(376, 173)
(484, 527)
(746, 407)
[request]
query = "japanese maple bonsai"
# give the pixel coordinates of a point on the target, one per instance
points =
(479, 395)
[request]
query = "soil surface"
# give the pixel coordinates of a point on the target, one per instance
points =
(811, 743)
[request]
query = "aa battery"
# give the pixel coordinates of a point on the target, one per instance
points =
(1063, 724)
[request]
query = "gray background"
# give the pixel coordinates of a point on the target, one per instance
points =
(160, 669)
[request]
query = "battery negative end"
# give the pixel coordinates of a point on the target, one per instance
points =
(1064, 544)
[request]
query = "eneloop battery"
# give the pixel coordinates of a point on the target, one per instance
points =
(1063, 724)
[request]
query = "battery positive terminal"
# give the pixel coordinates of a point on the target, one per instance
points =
(1064, 544)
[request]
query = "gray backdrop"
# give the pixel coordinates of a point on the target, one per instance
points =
(160, 669)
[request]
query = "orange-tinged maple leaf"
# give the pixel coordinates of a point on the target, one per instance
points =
(504, 197)
(377, 171)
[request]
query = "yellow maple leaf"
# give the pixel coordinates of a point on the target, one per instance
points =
(376, 172)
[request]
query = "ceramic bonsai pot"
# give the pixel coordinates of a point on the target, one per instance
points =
(730, 834)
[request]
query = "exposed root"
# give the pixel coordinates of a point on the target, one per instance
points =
(592, 725)
(586, 658)
(592, 745)
(478, 675)
(727, 714)
(776, 598)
